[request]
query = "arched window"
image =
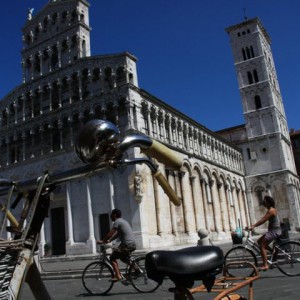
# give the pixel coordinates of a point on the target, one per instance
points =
(248, 53)
(257, 102)
(96, 74)
(252, 51)
(244, 54)
(250, 78)
(121, 75)
(255, 76)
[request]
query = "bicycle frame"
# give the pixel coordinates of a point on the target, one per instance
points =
(252, 245)
(104, 258)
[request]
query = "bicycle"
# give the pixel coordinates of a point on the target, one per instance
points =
(96, 277)
(284, 255)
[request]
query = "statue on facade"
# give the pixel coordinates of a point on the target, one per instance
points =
(29, 13)
(138, 186)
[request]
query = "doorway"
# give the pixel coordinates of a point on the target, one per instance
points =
(58, 231)
(104, 225)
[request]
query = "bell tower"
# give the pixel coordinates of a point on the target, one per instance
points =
(55, 37)
(267, 150)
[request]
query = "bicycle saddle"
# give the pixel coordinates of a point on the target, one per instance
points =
(184, 266)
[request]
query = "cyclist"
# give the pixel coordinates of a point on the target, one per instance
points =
(274, 230)
(122, 230)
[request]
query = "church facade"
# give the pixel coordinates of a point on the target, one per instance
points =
(63, 88)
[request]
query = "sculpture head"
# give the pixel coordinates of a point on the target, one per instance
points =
(95, 141)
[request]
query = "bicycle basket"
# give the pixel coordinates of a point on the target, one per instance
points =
(8, 261)
(236, 238)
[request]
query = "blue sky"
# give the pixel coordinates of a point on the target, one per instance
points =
(183, 51)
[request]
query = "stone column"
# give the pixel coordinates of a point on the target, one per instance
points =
(23, 64)
(236, 206)
(246, 209)
(70, 240)
(40, 55)
(15, 112)
(50, 128)
(204, 183)
(157, 206)
(242, 208)
(32, 143)
(42, 242)
(59, 87)
(111, 191)
(31, 67)
(23, 145)
(179, 209)
(58, 46)
(41, 132)
(70, 122)
(50, 96)
(91, 240)
(60, 128)
(216, 211)
(170, 175)
(228, 202)
(49, 51)
(224, 216)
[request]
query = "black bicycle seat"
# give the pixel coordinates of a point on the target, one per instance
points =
(186, 265)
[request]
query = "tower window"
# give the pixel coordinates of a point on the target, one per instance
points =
(255, 76)
(248, 153)
(244, 54)
(257, 102)
(250, 78)
(252, 51)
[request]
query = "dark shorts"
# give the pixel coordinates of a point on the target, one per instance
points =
(271, 236)
(122, 252)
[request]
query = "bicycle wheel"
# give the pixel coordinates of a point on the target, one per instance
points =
(96, 278)
(139, 279)
(288, 258)
(240, 254)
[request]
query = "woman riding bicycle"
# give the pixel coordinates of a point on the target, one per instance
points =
(274, 230)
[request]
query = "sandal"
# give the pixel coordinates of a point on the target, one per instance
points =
(264, 269)
(115, 279)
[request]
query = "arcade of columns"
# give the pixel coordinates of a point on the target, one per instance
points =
(211, 181)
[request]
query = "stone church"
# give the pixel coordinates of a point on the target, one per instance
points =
(224, 174)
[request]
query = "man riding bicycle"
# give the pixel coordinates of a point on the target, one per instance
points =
(122, 230)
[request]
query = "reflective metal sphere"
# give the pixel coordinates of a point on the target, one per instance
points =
(94, 140)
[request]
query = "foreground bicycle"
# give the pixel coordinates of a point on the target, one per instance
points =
(285, 256)
(96, 277)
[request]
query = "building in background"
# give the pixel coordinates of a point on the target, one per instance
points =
(63, 88)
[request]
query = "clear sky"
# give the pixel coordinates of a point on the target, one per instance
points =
(183, 51)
